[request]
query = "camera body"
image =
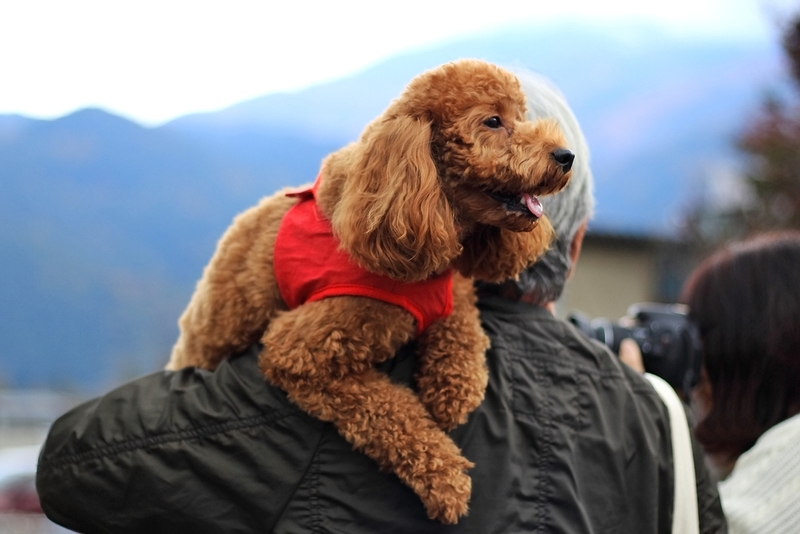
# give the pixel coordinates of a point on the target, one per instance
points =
(669, 342)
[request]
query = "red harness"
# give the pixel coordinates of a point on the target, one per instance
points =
(309, 266)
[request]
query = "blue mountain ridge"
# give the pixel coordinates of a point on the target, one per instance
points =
(658, 111)
(106, 225)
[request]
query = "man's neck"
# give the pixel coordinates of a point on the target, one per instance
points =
(549, 306)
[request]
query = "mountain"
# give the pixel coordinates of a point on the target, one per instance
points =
(659, 112)
(105, 225)
(104, 228)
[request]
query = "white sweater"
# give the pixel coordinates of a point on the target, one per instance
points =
(762, 493)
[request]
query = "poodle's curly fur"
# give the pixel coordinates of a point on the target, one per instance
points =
(438, 181)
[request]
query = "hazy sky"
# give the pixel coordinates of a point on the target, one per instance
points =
(153, 60)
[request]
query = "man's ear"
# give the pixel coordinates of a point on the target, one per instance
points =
(575, 247)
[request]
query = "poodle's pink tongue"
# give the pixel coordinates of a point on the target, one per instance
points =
(533, 204)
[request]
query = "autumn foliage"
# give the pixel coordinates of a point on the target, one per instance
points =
(772, 140)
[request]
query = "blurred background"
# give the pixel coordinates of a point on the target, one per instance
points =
(132, 133)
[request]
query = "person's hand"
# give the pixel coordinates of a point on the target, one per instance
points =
(630, 354)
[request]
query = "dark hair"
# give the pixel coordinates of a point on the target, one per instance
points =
(745, 300)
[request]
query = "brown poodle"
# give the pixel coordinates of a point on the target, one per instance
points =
(439, 190)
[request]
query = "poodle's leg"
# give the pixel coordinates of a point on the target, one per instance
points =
(452, 373)
(237, 294)
(322, 354)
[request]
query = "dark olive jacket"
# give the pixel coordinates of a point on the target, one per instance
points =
(567, 440)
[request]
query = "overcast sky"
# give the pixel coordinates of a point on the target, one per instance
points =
(153, 60)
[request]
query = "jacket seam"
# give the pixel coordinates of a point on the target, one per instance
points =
(542, 514)
(163, 439)
(312, 473)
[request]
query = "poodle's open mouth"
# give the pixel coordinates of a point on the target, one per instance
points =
(525, 203)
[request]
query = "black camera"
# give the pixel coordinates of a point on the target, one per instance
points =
(669, 342)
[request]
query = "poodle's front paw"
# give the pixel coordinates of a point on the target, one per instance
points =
(450, 399)
(452, 375)
(446, 494)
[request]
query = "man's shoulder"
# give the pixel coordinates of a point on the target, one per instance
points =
(168, 436)
(531, 332)
(561, 403)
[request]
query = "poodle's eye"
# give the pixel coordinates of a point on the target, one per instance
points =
(493, 122)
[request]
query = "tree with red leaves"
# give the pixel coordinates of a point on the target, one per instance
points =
(772, 140)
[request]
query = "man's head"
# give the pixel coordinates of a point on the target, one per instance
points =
(568, 210)
(448, 175)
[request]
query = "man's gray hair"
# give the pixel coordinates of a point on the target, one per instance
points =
(567, 210)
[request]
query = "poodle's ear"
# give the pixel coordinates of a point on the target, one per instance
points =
(392, 216)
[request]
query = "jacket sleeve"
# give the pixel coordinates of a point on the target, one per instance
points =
(178, 452)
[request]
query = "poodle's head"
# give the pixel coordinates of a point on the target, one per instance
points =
(449, 175)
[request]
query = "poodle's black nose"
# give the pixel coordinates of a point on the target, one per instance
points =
(564, 158)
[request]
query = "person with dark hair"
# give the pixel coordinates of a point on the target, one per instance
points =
(567, 438)
(745, 301)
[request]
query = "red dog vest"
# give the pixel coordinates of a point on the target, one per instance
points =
(309, 266)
